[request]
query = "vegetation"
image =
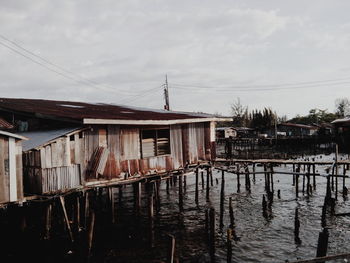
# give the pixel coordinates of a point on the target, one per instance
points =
(261, 119)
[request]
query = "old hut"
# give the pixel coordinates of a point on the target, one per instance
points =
(77, 144)
(11, 183)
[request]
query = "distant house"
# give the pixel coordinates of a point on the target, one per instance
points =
(293, 130)
(225, 132)
(76, 144)
(342, 131)
(234, 132)
(11, 182)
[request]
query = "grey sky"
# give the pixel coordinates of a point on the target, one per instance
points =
(224, 49)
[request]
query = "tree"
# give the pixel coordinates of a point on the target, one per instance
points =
(342, 106)
(239, 113)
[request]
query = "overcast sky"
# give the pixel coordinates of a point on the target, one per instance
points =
(288, 55)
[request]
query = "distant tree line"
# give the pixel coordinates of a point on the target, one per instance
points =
(266, 118)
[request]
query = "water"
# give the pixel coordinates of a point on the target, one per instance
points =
(260, 239)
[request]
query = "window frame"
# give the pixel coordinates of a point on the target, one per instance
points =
(155, 138)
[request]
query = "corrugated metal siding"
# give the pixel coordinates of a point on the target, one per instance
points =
(130, 144)
(60, 178)
(176, 146)
(196, 142)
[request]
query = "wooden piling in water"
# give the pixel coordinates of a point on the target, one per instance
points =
(202, 177)
(296, 227)
(66, 219)
(207, 191)
(180, 192)
(212, 230)
(322, 244)
(232, 218)
(293, 182)
(254, 172)
(314, 177)
(48, 221)
(196, 193)
(91, 231)
(171, 249)
(222, 201)
(238, 179)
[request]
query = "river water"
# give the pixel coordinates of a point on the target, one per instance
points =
(260, 239)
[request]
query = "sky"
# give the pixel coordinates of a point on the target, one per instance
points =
(291, 56)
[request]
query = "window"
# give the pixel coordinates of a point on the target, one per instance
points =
(155, 142)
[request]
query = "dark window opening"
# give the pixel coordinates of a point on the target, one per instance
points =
(71, 138)
(155, 142)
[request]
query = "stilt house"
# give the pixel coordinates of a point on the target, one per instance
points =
(11, 181)
(76, 144)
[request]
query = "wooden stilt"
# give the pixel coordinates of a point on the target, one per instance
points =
(238, 179)
(66, 218)
(48, 220)
(180, 192)
(196, 193)
(171, 250)
(91, 231)
(202, 176)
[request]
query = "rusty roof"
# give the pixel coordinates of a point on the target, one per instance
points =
(5, 125)
(297, 125)
(80, 111)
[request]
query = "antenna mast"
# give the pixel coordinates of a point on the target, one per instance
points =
(166, 94)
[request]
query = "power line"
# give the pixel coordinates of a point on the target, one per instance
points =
(249, 89)
(305, 83)
(45, 62)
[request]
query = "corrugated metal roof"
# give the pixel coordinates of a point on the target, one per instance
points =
(39, 138)
(346, 119)
(79, 111)
(4, 124)
(297, 125)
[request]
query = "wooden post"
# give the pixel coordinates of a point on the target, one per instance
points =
(77, 214)
(345, 190)
(322, 244)
(151, 216)
(229, 245)
(264, 206)
(254, 172)
(171, 250)
(296, 227)
(66, 218)
(271, 174)
(293, 184)
(212, 230)
(86, 208)
(48, 221)
(211, 175)
(167, 186)
(232, 218)
(207, 192)
(202, 176)
(314, 177)
(180, 193)
(137, 197)
(112, 203)
(91, 231)
(238, 179)
(196, 193)
(297, 184)
(222, 201)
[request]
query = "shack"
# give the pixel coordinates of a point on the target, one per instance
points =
(80, 144)
(292, 130)
(11, 183)
(342, 132)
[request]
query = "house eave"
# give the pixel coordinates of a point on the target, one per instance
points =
(151, 122)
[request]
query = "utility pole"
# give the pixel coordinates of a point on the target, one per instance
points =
(166, 94)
